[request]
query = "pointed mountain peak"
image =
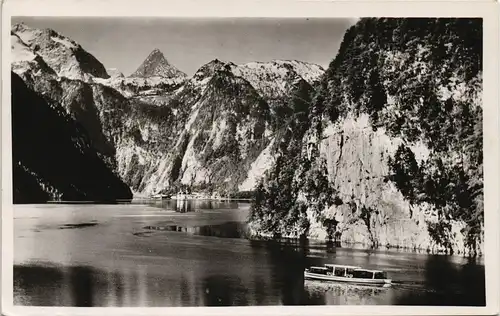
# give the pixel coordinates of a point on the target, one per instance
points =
(156, 55)
(156, 65)
(156, 51)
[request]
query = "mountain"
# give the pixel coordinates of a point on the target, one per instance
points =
(214, 131)
(221, 133)
(156, 65)
(53, 158)
(154, 80)
(63, 55)
(390, 154)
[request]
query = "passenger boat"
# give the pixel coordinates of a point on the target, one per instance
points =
(346, 273)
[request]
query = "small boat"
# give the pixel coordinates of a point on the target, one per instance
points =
(160, 196)
(346, 273)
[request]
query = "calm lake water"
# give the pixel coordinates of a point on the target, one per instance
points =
(194, 254)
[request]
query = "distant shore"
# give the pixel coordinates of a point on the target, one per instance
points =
(145, 198)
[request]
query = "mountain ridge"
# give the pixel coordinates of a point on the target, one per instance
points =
(139, 146)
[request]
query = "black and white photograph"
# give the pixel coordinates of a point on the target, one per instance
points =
(173, 161)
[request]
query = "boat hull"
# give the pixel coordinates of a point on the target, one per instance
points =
(333, 278)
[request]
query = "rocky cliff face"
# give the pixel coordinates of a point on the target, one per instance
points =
(53, 157)
(221, 130)
(392, 150)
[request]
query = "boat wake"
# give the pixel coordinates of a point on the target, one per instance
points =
(411, 285)
(344, 290)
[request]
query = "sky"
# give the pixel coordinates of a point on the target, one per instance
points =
(189, 43)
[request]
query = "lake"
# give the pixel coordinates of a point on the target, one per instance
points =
(193, 253)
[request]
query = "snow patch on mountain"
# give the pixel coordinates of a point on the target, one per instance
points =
(308, 71)
(114, 73)
(20, 52)
(130, 87)
(272, 79)
(66, 42)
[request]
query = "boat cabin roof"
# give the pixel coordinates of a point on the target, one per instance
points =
(341, 266)
(319, 268)
(367, 270)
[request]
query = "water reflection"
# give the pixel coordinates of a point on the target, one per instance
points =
(83, 286)
(184, 206)
(447, 284)
(347, 294)
(272, 275)
(224, 230)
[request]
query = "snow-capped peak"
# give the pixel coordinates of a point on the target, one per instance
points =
(65, 56)
(272, 79)
(308, 71)
(209, 69)
(20, 51)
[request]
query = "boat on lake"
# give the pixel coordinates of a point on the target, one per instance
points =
(160, 196)
(348, 274)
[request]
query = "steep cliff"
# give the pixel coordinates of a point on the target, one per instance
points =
(53, 158)
(392, 152)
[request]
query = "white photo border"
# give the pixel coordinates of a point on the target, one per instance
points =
(487, 10)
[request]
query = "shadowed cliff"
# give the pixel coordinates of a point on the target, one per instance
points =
(52, 155)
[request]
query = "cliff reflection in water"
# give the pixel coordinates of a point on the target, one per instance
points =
(224, 230)
(186, 206)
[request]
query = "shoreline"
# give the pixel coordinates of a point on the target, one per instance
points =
(135, 199)
(255, 236)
